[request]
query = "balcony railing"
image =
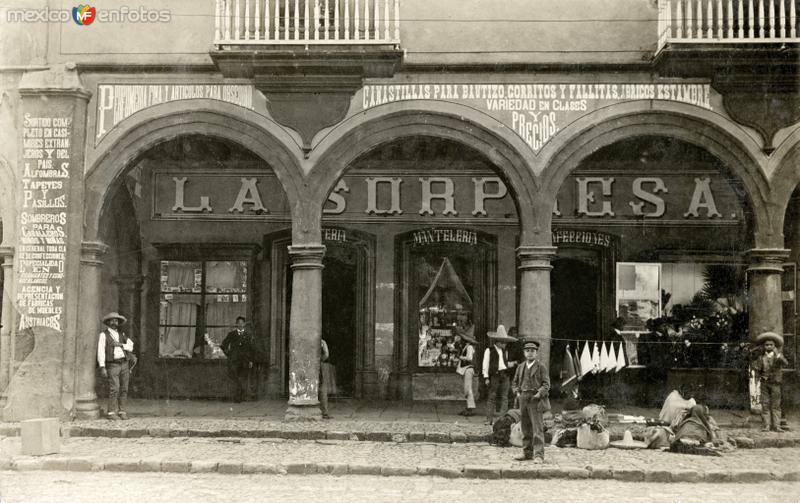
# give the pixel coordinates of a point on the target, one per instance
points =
(727, 22)
(306, 22)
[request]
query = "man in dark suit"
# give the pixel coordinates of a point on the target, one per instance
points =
(238, 348)
(532, 386)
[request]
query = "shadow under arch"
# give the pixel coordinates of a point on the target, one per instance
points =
(165, 122)
(731, 151)
(784, 179)
(457, 123)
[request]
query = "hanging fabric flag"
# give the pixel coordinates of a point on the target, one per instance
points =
(568, 377)
(595, 358)
(612, 358)
(603, 357)
(620, 358)
(586, 360)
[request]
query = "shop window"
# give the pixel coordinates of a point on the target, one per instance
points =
(700, 319)
(199, 301)
(445, 312)
(789, 305)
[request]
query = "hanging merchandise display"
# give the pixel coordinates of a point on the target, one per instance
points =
(620, 358)
(586, 360)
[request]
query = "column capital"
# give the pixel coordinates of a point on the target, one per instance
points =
(92, 251)
(535, 257)
(306, 256)
(767, 259)
(61, 81)
(7, 254)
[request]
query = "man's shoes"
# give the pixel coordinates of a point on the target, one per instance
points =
(779, 430)
(538, 461)
(765, 429)
(487, 423)
(327, 416)
(123, 415)
(112, 416)
(462, 412)
(523, 458)
(468, 412)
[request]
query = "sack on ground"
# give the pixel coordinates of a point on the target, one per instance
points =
(592, 439)
(515, 437)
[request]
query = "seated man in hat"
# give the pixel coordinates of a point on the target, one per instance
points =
(532, 386)
(111, 347)
(495, 364)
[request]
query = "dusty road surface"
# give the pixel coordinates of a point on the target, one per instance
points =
(104, 487)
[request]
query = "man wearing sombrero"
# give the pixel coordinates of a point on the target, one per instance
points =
(495, 364)
(768, 368)
(111, 347)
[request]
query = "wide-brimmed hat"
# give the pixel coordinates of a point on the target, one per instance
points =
(467, 337)
(769, 336)
(628, 442)
(115, 315)
(500, 335)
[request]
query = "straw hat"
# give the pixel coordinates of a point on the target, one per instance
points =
(628, 442)
(500, 335)
(769, 336)
(467, 337)
(112, 315)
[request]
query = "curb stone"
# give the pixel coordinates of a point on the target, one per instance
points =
(175, 466)
(202, 466)
(482, 472)
(449, 473)
(364, 469)
(26, 464)
(229, 468)
(628, 475)
(718, 476)
(689, 476)
(751, 476)
(392, 471)
(600, 472)
(791, 477)
(657, 476)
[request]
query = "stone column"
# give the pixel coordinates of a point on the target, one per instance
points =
(766, 311)
(88, 329)
(534, 295)
(305, 332)
(8, 321)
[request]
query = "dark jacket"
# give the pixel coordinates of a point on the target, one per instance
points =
(536, 380)
(238, 347)
(770, 370)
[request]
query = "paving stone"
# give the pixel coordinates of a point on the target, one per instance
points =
(482, 472)
(629, 475)
(171, 466)
(27, 464)
(159, 432)
(435, 471)
(717, 476)
(550, 472)
(398, 471)
(379, 436)
(359, 469)
(744, 442)
(686, 476)
(72, 431)
(122, 465)
(601, 472)
(791, 476)
(416, 436)
(333, 468)
(301, 468)
(179, 432)
(229, 433)
(9, 431)
(436, 436)
(750, 476)
(228, 467)
(458, 437)
(135, 433)
(203, 466)
(478, 437)
(56, 464)
(261, 468)
(150, 465)
(337, 435)
(519, 473)
(399, 437)
(657, 476)
(576, 472)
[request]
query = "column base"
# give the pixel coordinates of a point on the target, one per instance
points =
(87, 408)
(301, 412)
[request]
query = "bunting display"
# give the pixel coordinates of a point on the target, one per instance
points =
(586, 360)
(620, 358)
(603, 358)
(612, 358)
(595, 358)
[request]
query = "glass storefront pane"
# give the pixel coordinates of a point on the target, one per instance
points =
(181, 276)
(226, 277)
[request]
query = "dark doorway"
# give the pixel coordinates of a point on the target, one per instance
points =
(339, 281)
(575, 307)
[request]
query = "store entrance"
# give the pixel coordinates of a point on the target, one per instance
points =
(339, 280)
(575, 294)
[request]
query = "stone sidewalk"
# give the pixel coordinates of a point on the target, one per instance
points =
(451, 460)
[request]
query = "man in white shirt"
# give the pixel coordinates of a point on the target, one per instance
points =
(111, 347)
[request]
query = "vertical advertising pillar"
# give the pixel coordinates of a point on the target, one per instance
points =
(47, 260)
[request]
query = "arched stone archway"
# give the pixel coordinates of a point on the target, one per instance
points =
(506, 151)
(784, 179)
(731, 151)
(133, 137)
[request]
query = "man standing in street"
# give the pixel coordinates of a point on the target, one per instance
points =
(495, 366)
(238, 348)
(324, 355)
(532, 385)
(111, 358)
(769, 371)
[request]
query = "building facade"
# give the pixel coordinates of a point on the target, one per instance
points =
(389, 175)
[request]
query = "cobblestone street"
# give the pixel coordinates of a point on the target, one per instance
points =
(42, 487)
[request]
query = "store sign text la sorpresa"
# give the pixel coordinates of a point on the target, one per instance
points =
(704, 196)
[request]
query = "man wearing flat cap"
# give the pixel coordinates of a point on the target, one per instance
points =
(111, 347)
(532, 385)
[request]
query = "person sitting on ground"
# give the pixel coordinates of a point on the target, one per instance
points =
(696, 433)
